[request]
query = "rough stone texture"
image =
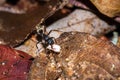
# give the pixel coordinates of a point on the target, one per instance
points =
(82, 57)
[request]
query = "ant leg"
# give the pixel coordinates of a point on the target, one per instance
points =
(51, 31)
(39, 47)
(54, 33)
(54, 40)
(44, 28)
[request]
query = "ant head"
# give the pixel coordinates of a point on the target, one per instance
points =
(40, 29)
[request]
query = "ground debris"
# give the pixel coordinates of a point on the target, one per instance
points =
(14, 64)
(82, 57)
(108, 7)
(82, 21)
(21, 25)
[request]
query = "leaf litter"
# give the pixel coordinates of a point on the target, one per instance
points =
(83, 56)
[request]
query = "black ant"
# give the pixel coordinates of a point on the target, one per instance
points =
(44, 39)
(42, 36)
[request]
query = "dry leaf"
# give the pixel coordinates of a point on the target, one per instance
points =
(14, 28)
(82, 57)
(110, 8)
(14, 64)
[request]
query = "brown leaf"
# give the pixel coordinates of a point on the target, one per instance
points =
(110, 8)
(82, 57)
(15, 27)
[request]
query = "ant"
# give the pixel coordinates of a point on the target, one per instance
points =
(46, 41)
(42, 36)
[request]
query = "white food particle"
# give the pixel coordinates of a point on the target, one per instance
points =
(54, 47)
